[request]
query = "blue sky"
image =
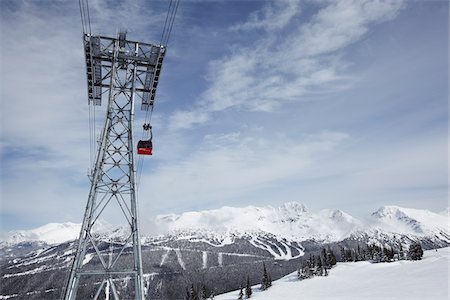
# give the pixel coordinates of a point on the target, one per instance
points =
(331, 104)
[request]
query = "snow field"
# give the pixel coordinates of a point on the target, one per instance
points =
(425, 279)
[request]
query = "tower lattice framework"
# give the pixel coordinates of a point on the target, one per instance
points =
(126, 71)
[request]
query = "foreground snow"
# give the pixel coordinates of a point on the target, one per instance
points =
(425, 279)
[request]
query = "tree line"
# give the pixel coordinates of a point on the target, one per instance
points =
(376, 254)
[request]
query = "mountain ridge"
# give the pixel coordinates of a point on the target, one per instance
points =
(291, 220)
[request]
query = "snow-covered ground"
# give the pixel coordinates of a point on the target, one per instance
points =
(425, 279)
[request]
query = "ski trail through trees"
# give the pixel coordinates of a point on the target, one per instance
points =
(180, 258)
(205, 260)
(220, 259)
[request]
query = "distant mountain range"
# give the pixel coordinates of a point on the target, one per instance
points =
(292, 221)
(207, 246)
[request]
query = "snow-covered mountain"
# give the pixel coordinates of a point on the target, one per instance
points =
(291, 220)
(57, 233)
(395, 225)
(410, 221)
(295, 222)
(52, 233)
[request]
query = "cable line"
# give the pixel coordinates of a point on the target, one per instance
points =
(165, 36)
(172, 21)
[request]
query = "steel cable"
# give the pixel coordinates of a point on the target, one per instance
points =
(165, 36)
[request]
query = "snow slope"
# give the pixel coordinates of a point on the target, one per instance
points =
(425, 279)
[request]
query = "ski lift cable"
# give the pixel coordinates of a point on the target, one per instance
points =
(85, 24)
(86, 28)
(165, 36)
(89, 16)
(172, 22)
(149, 112)
(168, 25)
(82, 18)
(94, 129)
(85, 16)
(90, 136)
(165, 22)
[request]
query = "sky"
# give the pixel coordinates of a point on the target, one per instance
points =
(333, 104)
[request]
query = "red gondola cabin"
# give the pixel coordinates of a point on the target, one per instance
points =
(145, 147)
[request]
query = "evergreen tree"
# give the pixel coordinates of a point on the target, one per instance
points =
(306, 271)
(401, 254)
(241, 294)
(365, 254)
(358, 254)
(332, 259)
(195, 297)
(390, 254)
(370, 251)
(376, 253)
(319, 267)
(323, 268)
(384, 254)
(348, 255)
(342, 253)
(248, 288)
(415, 251)
(265, 279)
(203, 293)
(193, 293)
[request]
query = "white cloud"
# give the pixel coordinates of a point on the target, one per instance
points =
(271, 17)
(186, 119)
(228, 166)
(279, 68)
(340, 24)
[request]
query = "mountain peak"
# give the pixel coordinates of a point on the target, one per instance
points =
(388, 211)
(409, 220)
(51, 233)
(294, 207)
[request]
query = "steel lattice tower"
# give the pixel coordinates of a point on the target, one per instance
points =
(126, 71)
